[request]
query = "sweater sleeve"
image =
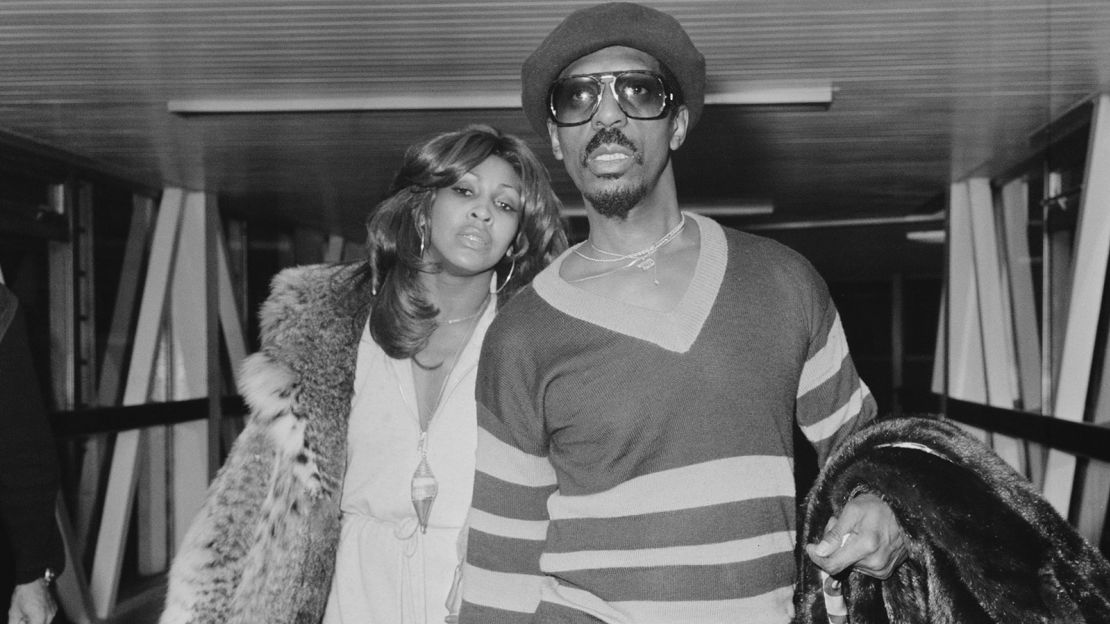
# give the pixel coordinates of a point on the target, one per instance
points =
(513, 480)
(832, 401)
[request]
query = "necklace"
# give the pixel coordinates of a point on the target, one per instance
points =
(424, 487)
(481, 308)
(643, 259)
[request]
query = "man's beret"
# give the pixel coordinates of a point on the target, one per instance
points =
(615, 24)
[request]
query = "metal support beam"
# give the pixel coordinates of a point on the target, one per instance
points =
(1088, 282)
(108, 560)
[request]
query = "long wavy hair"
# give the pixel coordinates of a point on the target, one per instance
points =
(401, 317)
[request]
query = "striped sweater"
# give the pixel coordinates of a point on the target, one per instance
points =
(636, 466)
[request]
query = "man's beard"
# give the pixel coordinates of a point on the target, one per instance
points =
(616, 203)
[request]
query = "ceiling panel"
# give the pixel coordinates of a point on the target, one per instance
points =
(926, 92)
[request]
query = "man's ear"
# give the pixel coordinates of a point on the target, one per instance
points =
(553, 132)
(679, 123)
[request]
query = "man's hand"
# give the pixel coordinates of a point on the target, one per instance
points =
(32, 603)
(866, 537)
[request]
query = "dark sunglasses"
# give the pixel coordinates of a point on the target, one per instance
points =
(574, 100)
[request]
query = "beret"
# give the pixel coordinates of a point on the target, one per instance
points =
(614, 24)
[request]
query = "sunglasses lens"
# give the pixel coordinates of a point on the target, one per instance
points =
(573, 99)
(641, 95)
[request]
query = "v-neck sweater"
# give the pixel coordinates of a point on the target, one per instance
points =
(636, 465)
(674, 329)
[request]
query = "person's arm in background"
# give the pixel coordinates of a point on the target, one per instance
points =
(508, 516)
(833, 402)
(29, 473)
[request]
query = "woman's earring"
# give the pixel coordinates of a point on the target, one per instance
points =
(422, 235)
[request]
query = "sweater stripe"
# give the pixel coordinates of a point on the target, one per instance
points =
(507, 527)
(686, 527)
(680, 583)
(499, 590)
(827, 362)
(697, 485)
(830, 425)
(498, 553)
(510, 464)
(754, 610)
(697, 555)
(509, 500)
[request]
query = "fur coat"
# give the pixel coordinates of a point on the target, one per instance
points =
(984, 546)
(262, 548)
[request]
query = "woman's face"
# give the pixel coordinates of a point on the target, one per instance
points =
(473, 221)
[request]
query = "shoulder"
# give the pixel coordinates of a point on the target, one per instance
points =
(307, 294)
(520, 314)
(303, 284)
(758, 255)
(521, 324)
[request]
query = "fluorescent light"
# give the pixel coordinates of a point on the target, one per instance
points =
(743, 93)
(936, 217)
(731, 209)
(926, 236)
(408, 101)
(771, 93)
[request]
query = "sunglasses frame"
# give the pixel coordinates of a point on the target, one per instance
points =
(668, 95)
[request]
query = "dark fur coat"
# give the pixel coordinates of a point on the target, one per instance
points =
(262, 548)
(984, 546)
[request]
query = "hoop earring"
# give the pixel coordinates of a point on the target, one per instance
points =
(508, 277)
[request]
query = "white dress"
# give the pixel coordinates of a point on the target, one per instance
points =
(387, 571)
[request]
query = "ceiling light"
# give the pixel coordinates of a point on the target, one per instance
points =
(770, 93)
(926, 236)
(739, 208)
(741, 93)
(936, 217)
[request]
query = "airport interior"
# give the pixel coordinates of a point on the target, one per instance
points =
(944, 166)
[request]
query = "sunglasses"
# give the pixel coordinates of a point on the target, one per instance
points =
(574, 100)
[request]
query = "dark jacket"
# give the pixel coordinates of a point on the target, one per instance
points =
(29, 478)
(984, 546)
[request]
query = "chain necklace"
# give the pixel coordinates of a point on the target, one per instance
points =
(481, 308)
(424, 487)
(643, 259)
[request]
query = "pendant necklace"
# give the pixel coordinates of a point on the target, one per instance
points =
(424, 487)
(643, 259)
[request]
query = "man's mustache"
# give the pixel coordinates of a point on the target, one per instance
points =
(607, 136)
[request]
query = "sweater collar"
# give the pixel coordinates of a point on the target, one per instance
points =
(675, 329)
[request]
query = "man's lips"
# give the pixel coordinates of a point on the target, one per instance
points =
(610, 159)
(610, 154)
(608, 142)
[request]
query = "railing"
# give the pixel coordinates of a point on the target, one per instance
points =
(1077, 438)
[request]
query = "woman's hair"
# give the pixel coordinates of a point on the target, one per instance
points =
(401, 317)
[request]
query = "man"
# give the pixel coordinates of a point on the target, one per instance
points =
(636, 405)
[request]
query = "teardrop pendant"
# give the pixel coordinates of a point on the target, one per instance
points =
(424, 490)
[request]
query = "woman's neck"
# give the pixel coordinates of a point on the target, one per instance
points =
(457, 297)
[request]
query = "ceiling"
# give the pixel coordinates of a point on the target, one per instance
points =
(926, 92)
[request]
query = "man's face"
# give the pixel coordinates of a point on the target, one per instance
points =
(616, 161)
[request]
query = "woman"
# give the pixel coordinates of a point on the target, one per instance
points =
(389, 347)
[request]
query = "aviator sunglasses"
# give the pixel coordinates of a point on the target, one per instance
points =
(640, 94)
